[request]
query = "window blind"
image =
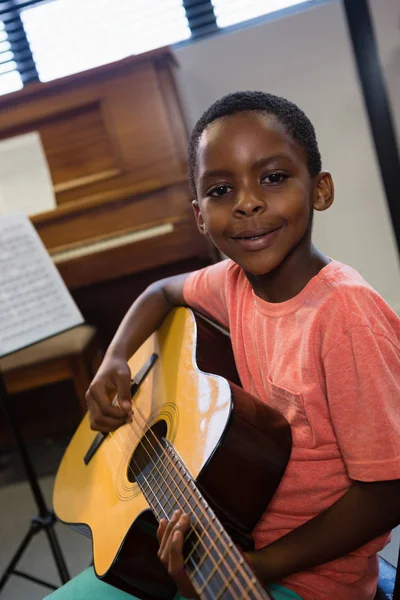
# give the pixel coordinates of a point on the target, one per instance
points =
(231, 12)
(10, 79)
(68, 36)
(41, 40)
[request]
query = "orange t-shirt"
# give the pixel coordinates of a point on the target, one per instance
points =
(329, 361)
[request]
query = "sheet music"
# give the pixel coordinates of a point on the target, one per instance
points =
(34, 301)
(25, 180)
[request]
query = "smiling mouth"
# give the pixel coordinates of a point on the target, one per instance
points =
(254, 240)
(252, 237)
(254, 234)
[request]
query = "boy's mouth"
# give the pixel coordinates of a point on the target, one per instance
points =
(254, 233)
(256, 239)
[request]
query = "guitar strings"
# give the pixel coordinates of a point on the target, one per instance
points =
(195, 546)
(227, 549)
(215, 563)
(163, 511)
(192, 527)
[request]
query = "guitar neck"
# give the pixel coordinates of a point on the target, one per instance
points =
(213, 562)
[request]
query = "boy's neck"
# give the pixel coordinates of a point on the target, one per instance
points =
(290, 277)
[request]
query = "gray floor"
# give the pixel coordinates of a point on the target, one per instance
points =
(16, 509)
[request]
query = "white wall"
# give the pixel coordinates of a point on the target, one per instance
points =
(306, 57)
(386, 18)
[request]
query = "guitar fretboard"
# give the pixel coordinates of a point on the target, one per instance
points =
(213, 562)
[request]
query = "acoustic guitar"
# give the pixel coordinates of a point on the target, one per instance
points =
(197, 442)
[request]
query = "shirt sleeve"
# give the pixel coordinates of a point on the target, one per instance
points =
(362, 375)
(205, 291)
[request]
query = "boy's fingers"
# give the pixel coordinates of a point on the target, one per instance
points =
(161, 529)
(98, 401)
(163, 551)
(101, 422)
(171, 537)
(175, 564)
(179, 524)
(105, 425)
(184, 523)
(122, 384)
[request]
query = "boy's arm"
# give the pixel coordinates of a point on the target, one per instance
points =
(366, 511)
(147, 314)
(113, 377)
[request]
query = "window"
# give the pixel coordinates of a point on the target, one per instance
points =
(68, 36)
(10, 79)
(47, 39)
(230, 12)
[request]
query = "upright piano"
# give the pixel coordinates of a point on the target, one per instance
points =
(116, 144)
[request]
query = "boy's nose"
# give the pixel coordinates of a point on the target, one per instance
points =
(248, 204)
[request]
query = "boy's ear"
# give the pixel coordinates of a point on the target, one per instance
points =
(324, 191)
(199, 218)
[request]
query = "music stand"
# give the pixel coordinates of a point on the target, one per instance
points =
(46, 518)
(34, 305)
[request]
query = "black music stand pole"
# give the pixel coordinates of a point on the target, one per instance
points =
(46, 518)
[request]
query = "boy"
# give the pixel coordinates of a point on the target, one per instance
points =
(310, 337)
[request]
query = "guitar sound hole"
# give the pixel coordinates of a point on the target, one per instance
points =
(147, 453)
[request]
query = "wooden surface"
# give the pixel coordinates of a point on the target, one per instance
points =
(35, 370)
(109, 128)
(106, 302)
(116, 144)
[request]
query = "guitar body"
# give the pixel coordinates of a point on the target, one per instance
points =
(235, 447)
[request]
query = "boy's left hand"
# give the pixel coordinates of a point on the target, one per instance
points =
(170, 536)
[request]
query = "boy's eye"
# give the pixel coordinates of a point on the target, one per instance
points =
(274, 178)
(218, 191)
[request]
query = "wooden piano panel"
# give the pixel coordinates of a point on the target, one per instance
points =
(162, 249)
(115, 127)
(116, 144)
(66, 228)
(79, 149)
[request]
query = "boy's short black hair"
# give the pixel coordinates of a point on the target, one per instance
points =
(296, 123)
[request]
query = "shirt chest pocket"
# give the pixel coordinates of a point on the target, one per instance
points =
(291, 406)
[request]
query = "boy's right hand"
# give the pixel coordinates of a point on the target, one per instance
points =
(112, 380)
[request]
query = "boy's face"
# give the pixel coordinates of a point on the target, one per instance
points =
(255, 193)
